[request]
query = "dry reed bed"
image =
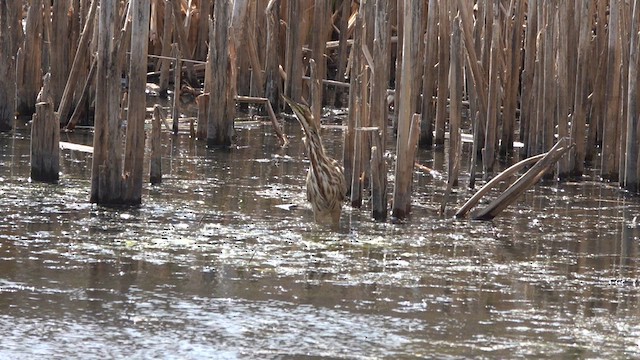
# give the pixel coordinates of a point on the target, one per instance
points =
(531, 71)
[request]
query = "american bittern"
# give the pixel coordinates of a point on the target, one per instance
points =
(326, 186)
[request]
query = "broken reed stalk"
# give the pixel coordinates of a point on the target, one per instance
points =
(355, 194)
(455, 112)
(527, 180)
(527, 76)
(155, 166)
(444, 49)
(60, 47)
(429, 79)
(84, 98)
(363, 137)
(79, 62)
(598, 60)
(164, 64)
(335, 93)
(353, 117)
(318, 45)
(181, 35)
(429, 85)
(201, 49)
(489, 151)
(398, 61)
(625, 24)
(315, 90)
(510, 171)
(549, 79)
(202, 101)
(513, 61)
(175, 109)
(564, 17)
(378, 178)
(257, 74)
(579, 115)
(272, 60)
(293, 63)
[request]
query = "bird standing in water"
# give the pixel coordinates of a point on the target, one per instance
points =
(326, 186)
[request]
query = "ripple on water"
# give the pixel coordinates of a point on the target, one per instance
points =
(223, 258)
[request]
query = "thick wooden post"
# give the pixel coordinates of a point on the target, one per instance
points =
(408, 128)
(379, 109)
(134, 150)
(45, 137)
(631, 179)
(9, 35)
(612, 96)
(106, 170)
(220, 124)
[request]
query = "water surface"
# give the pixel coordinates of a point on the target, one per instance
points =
(216, 263)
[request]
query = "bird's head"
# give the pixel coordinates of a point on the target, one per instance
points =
(304, 116)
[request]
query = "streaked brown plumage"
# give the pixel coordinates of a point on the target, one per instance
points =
(326, 186)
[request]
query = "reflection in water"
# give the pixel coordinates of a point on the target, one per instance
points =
(210, 264)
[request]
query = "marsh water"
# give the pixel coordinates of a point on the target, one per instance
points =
(223, 261)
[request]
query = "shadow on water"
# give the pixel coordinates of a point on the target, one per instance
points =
(218, 263)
